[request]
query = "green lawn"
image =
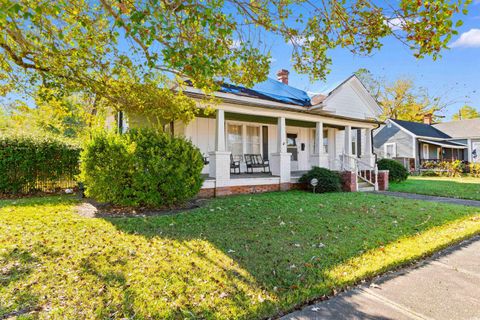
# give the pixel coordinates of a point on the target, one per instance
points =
(464, 187)
(239, 257)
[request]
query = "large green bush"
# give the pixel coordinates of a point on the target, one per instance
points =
(29, 164)
(397, 172)
(141, 168)
(328, 181)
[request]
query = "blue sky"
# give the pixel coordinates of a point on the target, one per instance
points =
(455, 76)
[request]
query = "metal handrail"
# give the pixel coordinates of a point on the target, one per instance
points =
(361, 173)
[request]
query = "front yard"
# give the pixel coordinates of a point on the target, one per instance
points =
(239, 257)
(463, 187)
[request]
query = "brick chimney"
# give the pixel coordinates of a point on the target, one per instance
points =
(282, 76)
(427, 119)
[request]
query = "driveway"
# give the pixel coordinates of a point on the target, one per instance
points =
(446, 286)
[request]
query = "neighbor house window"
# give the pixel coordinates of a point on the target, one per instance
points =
(390, 150)
(425, 152)
(234, 139)
(253, 140)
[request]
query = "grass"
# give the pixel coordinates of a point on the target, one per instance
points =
(242, 257)
(463, 187)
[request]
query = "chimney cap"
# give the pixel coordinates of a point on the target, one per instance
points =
(282, 75)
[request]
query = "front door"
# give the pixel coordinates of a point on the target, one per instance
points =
(292, 148)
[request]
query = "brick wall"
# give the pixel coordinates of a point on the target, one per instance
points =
(349, 181)
(383, 180)
(227, 191)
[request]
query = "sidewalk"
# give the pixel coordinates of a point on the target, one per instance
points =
(446, 286)
(416, 196)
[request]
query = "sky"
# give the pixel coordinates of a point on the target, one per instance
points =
(455, 76)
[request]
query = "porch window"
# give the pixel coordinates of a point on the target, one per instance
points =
(313, 145)
(253, 140)
(354, 142)
(234, 139)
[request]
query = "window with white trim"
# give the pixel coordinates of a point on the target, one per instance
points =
(354, 142)
(426, 154)
(314, 141)
(253, 140)
(390, 150)
(234, 139)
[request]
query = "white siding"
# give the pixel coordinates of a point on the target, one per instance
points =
(348, 101)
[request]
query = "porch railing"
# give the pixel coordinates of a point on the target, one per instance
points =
(362, 169)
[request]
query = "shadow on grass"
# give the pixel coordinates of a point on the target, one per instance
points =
(16, 265)
(292, 244)
(38, 201)
(238, 257)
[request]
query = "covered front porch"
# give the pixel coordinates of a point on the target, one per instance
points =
(288, 144)
(436, 151)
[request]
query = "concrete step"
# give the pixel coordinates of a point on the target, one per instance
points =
(366, 189)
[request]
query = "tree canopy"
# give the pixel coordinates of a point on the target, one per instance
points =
(117, 51)
(403, 99)
(466, 112)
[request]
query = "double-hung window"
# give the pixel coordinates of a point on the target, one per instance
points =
(313, 145)
(234, 139)
(243, 139)
(253, 140)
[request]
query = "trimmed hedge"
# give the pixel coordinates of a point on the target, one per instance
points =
(397, 172)
(328, 181)
(141, 168)
(30, 164)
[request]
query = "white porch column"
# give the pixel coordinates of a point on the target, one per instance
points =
(319, 156)
(219, 167)
(347, 149)
(367, 155)
(332, 149)
(280, 164)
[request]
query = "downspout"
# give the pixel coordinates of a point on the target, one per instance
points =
(371, 139)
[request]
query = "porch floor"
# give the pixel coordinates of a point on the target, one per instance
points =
(243, 175)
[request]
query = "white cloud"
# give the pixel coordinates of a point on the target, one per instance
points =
(469, 39)
(300, 41)
(395, 23)
(236, 44)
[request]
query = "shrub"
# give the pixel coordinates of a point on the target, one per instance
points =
(141, 168)
(429, 173)
(475, 169)
(328, 181)
(397, 172)
(30, 164)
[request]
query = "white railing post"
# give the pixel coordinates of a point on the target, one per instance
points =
(376, 177)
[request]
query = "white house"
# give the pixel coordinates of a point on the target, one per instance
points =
(287, 128)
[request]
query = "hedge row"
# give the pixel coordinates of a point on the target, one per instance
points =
(30, 164)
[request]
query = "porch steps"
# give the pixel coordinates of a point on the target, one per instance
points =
(364, 186)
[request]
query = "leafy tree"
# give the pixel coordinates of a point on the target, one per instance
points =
(466, 112)
(403, 99)
(131, 54)
(68, 118)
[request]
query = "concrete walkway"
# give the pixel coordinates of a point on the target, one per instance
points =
(446, 286)
(416, 196)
